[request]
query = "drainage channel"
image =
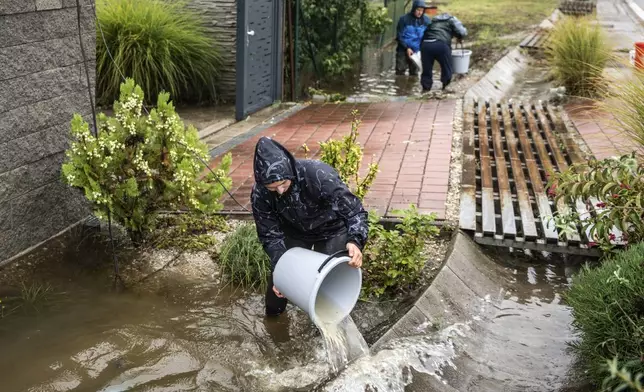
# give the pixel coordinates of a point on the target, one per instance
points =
(510, 149)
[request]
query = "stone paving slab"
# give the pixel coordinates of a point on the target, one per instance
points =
(411, 141)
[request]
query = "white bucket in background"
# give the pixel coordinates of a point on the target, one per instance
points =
(461, 60)
(316, 287)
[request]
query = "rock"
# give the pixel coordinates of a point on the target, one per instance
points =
(557, 95)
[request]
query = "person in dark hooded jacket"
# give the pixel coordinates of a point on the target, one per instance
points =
(409, 34)
(302, 203)
(437, 46)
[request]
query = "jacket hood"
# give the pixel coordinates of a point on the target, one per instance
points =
(443, 16)
(272, 162)
(417, 4)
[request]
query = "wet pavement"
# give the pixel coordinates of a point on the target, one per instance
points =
(411, 141)
(622, 26)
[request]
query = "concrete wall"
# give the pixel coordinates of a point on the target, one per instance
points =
(220, 17)
(42, 84)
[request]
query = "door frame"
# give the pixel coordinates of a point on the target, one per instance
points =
(242, 110)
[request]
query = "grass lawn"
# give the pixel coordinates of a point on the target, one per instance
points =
(494, 25)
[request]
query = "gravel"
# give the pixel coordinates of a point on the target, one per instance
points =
(456, 168)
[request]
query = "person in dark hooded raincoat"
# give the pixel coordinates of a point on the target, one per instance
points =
(302, 203)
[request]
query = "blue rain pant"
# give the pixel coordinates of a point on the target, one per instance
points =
(435, 51)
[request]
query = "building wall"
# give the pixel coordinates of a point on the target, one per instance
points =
(220, 17)
(42, 84)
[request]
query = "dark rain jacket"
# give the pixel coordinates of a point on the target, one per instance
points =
(444, 27)
(410, 29)
(317, 206)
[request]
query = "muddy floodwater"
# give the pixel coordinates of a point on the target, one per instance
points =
(174, 336)
(180, 334)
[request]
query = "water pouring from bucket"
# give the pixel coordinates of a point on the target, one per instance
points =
(326, 287)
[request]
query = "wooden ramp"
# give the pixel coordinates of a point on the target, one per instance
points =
(536, 41)
(509, 150)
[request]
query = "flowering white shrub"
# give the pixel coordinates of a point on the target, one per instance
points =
(139, 165)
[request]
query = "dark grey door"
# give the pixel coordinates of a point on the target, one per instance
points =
(259, 55)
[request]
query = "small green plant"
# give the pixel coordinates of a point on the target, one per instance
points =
(34, 293)
(140, 165)
(578, 54)
(394, 259)
(243, 259)
(625, 100)
(617, 188)
(190, 231)
(163, 45)
(608, 313)
(627, 382)
(346, 157)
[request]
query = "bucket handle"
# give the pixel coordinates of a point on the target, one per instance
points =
(462, 50)
(331, 257)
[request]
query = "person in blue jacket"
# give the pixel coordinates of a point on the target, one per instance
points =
(410, 30)
(437, 46)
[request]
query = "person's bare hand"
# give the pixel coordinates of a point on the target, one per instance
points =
(409, 52)
(355, 254)
(279, 295)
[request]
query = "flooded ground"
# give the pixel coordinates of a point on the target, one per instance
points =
(375, 78)
(165, 335)
(172, 334)
(64, 328)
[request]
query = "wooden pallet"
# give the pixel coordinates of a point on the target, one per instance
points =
(577, 7)
(536, 41)
(509, 149)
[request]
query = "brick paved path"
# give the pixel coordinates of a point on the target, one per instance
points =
(598, 131)
(410, 140)
(596, 127)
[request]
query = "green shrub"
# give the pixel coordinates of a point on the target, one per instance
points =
(243, 259)
(577, 54)
(345, 156)
(617, 190)
(608, 312)
(161, 44)
(394, 259)
(141, 165)
(334, 32)
(626, 102)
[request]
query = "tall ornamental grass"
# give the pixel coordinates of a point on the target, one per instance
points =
(626, 102)
(578, 53)
(162, 45)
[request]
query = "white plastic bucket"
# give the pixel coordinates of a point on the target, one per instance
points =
(461, 60)
(311, 280)
(417, 60)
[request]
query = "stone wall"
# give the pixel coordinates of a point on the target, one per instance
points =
(42, 84)
(220, 17)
